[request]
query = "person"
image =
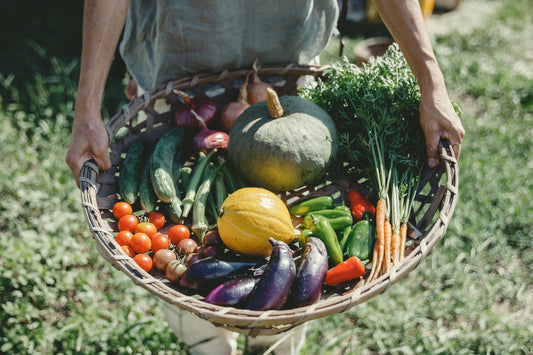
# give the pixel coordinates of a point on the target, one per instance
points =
(165, 40)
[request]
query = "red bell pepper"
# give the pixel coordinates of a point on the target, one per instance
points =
(359, 205)
(349, 269)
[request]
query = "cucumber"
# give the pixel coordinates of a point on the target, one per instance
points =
(161, 163)
(174, 207)
(128, 179)
(147, 196)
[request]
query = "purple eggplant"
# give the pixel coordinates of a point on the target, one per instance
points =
(273, 288)
(233, 293)
(310, 275)
(209, 272)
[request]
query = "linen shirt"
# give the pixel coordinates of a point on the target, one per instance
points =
(168, 39)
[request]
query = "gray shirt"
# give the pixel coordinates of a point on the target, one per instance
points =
(168, 39)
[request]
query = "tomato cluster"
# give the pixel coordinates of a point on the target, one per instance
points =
(142, 239)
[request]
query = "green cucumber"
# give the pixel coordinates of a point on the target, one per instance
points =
(129, 177)
(147, 196)
(162, 161)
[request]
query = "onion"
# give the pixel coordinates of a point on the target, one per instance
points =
(202, 105)
(257, 89)
(232, 110)
(207, 139)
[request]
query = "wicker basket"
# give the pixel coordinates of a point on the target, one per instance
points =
(434, 206)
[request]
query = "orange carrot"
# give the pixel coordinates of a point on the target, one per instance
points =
(403, 239)
(387, 244)
(377, 259)
(395, 247)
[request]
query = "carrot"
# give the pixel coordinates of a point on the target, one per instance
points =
(403, 239)
(379, 247)
(396, 245)
(387, 244)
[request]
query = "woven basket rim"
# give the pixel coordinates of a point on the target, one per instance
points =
(244, 321)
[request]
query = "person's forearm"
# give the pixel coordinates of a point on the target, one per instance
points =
(405, 23)
(103, 21)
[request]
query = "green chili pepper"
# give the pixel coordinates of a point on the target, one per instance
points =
(343, 207)
(360, 240)
(323, 230)
(311, 204)
(344, 235)
(302, 238)
(338, 223)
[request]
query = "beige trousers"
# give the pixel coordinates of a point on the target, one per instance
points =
(204, 338)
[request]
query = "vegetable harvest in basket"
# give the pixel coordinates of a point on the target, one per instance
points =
(357, 122)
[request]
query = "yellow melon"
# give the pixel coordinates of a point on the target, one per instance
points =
(249, 217)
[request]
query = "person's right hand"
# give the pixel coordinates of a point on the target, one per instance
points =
(88, 141)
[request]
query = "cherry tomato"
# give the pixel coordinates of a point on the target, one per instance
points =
(141, 243)
(162, 257)
(160, 241)
(157, 219)
(128, 250)
(128, 223)
(121, 208)
(178, 232)
(144, 261)
(147, 228)
(123, 237)
(187, 246)
(174, 270)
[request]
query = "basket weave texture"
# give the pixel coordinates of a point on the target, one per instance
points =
(435, 204)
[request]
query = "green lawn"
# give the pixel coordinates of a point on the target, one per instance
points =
(472, 295)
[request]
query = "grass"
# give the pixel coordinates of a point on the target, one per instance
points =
(472, 295)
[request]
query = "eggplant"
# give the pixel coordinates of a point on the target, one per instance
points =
(207, 273)
(233, 293)
(310, 275)
(273, 288)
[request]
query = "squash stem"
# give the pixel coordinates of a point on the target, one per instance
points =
(274, 106)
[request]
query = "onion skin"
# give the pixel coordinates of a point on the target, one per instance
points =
(231, 111)
(206, 140)
(257, 89)
(204, 106)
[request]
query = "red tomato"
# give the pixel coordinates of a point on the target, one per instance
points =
(141, 243)
(157, 218)
(144, 261)
(147, 228)
(128, 250)
(162, 257)
(121, 208)
(124, 237)
(128, 223)
(178, 232)
(160, 241)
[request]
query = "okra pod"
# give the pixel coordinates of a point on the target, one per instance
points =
(194, 182)
(199, 221)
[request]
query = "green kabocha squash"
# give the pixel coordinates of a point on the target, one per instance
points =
(282, 143)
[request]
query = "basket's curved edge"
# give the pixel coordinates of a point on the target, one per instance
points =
(253, 322)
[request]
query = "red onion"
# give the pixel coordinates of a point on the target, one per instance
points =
(207, 139)
(232, 110)
(204, 106)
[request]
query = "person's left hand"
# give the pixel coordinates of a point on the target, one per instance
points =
(439, 120)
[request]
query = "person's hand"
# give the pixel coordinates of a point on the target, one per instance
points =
(439, 120)
(88, 141)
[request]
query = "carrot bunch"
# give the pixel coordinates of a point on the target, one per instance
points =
(376, 110)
